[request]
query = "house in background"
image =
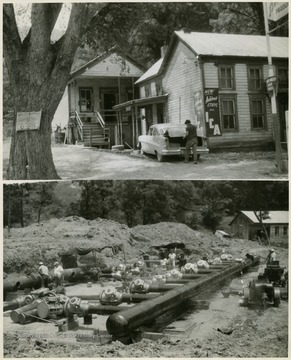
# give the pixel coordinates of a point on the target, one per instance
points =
(246, 225)
(219, 82)
(93, 90)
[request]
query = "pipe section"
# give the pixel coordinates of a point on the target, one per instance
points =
(124, 322)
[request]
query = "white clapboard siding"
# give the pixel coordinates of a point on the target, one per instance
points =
(182, 79)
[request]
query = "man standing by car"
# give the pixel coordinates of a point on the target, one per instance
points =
(191, 141)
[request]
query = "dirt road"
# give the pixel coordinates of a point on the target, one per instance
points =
(76, 162)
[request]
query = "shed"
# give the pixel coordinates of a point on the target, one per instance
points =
(246, 225)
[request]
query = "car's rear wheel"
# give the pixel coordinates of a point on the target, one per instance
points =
(160, 157)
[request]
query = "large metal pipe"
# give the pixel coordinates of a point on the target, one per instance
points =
(135, 298)
(103, 309)
(22, 282)
(28, 316)
(73, 274)
(162, 288)
(124, 322)
(16, 303)
(14, 315)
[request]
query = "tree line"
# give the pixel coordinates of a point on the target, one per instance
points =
(195, 203)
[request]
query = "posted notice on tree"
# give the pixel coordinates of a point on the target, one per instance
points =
(28, 120)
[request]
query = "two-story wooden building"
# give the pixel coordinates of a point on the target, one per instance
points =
(219, 82)
(93, 90)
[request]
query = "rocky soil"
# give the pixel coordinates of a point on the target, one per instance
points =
(254, 333)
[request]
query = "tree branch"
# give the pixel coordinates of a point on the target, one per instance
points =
(11, 38)
(243, 14)
(43, 19)
(80, 17)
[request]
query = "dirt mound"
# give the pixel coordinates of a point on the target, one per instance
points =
(25, 247)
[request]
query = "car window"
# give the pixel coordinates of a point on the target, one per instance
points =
(150, 131)
(155, 132)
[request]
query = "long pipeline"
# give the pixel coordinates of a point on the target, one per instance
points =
(124, 322)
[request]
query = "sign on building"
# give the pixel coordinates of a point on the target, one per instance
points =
(198, 107)
(28, 120)
(276, 10)
(212, 117)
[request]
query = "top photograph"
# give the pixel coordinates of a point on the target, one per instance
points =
(145, 90)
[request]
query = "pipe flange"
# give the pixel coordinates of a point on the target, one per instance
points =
(138, 286)
(110, 296)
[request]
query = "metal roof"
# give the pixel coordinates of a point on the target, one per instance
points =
(276, 217)
(152, 71)
(214, 44)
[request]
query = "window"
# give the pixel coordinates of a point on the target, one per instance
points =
(283, 77)
(276, 230)
(159, 89)
(258, 120)
(148, 92)
(228, 113)
(285, 230)
(226, 76)
(255, 78)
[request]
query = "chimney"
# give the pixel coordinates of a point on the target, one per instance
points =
(164, 49)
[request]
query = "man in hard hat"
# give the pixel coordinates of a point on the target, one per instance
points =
(44, 273)
(58, 274)
(271, 257)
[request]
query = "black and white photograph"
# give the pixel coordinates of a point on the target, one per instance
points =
(146, 269)
(104, 90)
(145, 179)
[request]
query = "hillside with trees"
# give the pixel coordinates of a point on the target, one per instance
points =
(194, 203)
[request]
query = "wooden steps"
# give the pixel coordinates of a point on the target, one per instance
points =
(95, 135)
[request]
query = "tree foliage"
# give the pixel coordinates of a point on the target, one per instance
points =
(195, 203)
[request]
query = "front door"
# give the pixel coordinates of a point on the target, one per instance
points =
(86, 100)
(108, 100)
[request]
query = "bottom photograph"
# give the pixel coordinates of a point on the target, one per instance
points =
(145, 269)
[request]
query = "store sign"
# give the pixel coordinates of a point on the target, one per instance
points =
(199, 118)
(212, 117)
(276, 10)
(28, 121)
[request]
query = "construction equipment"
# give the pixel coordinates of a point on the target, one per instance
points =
(266, 288)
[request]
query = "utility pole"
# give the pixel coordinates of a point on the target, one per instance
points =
(272, 87)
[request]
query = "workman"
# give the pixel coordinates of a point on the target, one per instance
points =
(191, 141)
(172, 259)
(44, 273)
(271, 257)
(58, 274)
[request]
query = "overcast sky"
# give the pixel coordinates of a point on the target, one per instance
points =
(22, 14)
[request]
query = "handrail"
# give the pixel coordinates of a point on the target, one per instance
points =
(100, 119)
(79, 124)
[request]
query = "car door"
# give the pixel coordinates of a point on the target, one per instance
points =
(156, 146)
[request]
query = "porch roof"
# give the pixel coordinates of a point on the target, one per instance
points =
(142, 102)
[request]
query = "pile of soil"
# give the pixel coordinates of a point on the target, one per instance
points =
(25, 247)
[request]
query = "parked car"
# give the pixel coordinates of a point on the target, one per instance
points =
(167, 140)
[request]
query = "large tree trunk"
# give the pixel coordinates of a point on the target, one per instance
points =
(38, 72)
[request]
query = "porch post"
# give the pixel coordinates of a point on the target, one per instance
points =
(133, 127)
(136, 123)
